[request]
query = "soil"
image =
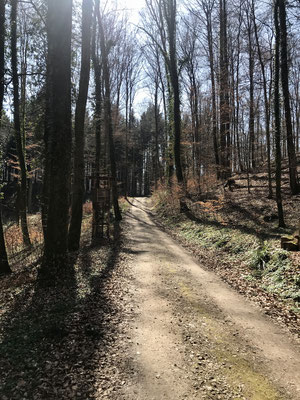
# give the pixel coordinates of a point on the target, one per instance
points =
(191, 336)
(142, 320)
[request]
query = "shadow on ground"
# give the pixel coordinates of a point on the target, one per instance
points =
(54, 339)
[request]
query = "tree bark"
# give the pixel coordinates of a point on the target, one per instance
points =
(266, 102)
(108, 123)
(78, 183)
(170, 17)
(224, 96)
(209, 33)
(58, 157)
(96, 232)
(294, 184)
(4, 265)
(251, 95)
(17, 125)
(277, 117)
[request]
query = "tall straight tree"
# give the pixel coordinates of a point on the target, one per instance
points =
(224, 95)
(78, 184)
(286, 98)
(249, 28)
(163, 14)
(59, 138)
(277, 115)
(4, 266)
(207, 9)
(266, 100)
(97, 232)
(17, 125)
(108, 123)
(170, 13)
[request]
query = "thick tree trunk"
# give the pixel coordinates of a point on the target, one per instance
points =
(108, 124)
(4, 265)
(59, 137)
(78, 180)
(277, 117)
(286, 97)
(17, 125)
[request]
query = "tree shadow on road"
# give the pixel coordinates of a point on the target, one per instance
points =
(54, 338)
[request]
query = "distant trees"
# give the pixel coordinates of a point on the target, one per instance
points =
(163, 14)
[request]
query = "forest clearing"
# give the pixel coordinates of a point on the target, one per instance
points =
(149, 199)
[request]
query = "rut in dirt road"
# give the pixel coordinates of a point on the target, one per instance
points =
(193, 336)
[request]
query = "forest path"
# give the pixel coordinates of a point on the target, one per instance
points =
(191, 335)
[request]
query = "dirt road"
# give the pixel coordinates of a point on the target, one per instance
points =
(191, 335)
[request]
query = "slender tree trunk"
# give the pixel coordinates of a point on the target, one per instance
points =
(4, 265)
(78, 184)
(251, 96)
(224, 95)
(59, 137)
(108, 119)
(266, 103)
(277, 117)
(286, 97)
(237, 95)
(176, 109)
(17, 125)
(156, 115)
(97, 231)
(213, 90)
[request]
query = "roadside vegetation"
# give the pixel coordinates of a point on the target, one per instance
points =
(238, 235)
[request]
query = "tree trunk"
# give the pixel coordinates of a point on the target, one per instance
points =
(251, 96)
(96, 232)
(224, 96)
(170, 15)
(277, 117)
(108, 124)
(213, 88)
(266, 103)
(4, 265)
(17, 125)
(78, 183)
(58, 128)
(286, 97)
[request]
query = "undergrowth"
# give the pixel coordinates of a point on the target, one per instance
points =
(259, 261)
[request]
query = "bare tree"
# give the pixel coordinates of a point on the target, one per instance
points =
(224, 95)
(277, 115)
(17, 126)
(78, 184)
(294, 184)
(108, 122)
(4, 265)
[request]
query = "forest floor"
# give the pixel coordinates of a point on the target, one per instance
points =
(140, 319)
